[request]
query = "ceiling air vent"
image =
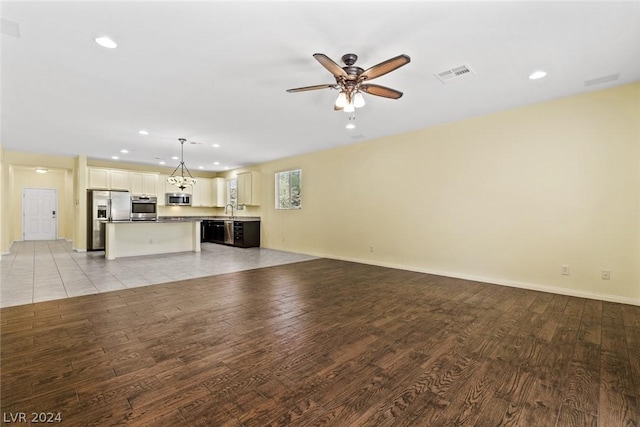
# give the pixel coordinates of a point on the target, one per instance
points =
(602, 79)
(9, 28)
(454, 73)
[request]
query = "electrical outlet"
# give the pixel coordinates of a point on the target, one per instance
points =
(606, 275)
(564, 270)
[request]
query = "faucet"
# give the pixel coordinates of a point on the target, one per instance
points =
(225, 210)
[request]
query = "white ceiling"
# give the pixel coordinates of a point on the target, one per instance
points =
(216, 72)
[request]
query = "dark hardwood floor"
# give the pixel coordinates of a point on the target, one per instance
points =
(323, 342)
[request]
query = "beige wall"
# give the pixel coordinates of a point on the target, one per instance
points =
(506, 198)
(4, 225)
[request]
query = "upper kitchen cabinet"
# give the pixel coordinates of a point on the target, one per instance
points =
(120, 180)
(249, 188)
(99, 178)
(108, 179)
(161, 193)
(143, 184)
(218, 199)
(202, 192)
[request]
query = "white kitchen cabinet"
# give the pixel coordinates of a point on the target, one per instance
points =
(99, 178)
(218, 199)
(249, 188)
(119, 179)
(161, 189)
(108, 179)
(143, 184)
(202, 192)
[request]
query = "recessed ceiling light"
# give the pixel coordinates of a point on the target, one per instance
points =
(175, 158)
(200, 167)
(226, 168)
(537, 75)
(162, 163)
(124, 150)
(216, 145)
(143, 132)
(216, 163)
(115, 157)
(351, 126)
(106, 42)
(42, 170)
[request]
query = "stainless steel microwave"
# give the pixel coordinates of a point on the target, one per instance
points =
(178, 199)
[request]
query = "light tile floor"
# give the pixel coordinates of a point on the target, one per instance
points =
(36, 271)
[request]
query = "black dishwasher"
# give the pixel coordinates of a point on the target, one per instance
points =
(206, 231)
(217, 231)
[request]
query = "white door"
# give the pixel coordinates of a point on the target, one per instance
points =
(40, 213)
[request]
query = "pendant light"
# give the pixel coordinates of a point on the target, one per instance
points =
(181, 181)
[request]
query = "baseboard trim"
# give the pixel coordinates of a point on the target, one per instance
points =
(494, 281)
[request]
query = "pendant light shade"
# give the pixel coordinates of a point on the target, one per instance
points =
(341, 101)
(181, 181)
(349, 108)
(358, 100)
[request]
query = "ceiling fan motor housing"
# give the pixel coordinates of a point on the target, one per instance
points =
(352, 71)
(349, 58)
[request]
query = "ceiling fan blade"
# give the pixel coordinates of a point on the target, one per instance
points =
(302, 89)
(381, 91)
(385, 67)
(330, 65)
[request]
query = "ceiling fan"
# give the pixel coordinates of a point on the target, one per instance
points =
(352, 80)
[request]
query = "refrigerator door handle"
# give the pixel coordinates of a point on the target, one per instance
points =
(109, 210)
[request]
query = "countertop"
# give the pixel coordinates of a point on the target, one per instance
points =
(207, 218)
(164, 219)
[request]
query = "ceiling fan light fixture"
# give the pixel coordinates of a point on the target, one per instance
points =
(352, 80)
(349, 108)
(341, 100)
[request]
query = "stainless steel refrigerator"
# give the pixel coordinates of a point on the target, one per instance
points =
(105, 206)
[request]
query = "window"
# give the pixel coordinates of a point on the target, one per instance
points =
(232, 192)
(288, 194)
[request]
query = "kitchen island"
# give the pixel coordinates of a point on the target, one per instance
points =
(169, 234)
(165, 235)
